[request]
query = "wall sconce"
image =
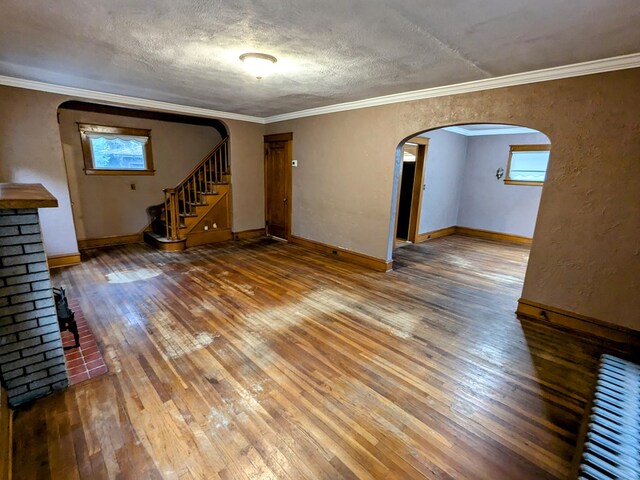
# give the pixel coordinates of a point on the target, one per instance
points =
(500, 173)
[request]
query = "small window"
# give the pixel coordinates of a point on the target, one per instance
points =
(409, 152)
(527, 165)
(116, 150)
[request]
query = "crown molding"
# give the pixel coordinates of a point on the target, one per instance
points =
(125, 100)
(489, 131)
(622, 62)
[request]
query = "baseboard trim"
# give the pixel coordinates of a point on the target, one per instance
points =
(503, 237)
(249, 234)
(341, 253)
(576, 322)
(66, 260)
(443, 232)
(109, 241)
(474, 232)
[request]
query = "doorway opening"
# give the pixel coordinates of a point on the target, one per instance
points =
(476, 180)
(122, 162)
(411, 186)
(278, 185)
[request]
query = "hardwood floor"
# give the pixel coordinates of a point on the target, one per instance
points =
(261, 360)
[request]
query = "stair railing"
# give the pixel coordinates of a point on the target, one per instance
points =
(184, 197)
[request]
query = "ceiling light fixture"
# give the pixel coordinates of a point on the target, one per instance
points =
(259, 64)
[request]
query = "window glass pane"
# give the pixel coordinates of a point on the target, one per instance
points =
(120, 152)
(409, 152)
(529, 166)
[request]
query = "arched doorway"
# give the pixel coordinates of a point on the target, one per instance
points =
(479, 181)
(478, 176)
(112, 200)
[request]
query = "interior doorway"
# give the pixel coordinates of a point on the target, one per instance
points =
(474, 196)
(410, 188)
(277, 184)
(113, 206)
(480, 180)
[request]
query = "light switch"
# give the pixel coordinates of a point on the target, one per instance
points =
(294, 163)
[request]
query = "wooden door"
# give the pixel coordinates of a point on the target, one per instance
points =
(418, 187)
(277, 183)
(416, 147)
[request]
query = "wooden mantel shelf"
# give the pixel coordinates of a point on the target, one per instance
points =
(25, 195)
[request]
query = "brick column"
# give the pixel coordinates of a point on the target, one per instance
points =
(32, 361)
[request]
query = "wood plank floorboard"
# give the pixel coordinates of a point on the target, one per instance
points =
(261, 360)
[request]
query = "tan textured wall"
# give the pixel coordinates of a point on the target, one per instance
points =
(31, 151)
(247, 171)
(105, 205)
(585, 256)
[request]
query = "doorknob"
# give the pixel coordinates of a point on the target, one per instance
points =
(285, 200)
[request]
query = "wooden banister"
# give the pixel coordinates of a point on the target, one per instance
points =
(183, 197)
(222, 143)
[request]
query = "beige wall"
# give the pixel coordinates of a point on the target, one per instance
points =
(585, 256)
(105, 205)
(31, 151)
(247, 172)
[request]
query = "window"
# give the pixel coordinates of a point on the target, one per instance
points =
(527, 165)
(409, 152)
(116, 150)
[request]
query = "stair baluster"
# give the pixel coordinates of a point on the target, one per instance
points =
(202, 180)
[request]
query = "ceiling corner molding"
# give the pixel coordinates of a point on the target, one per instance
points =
(575, 70)
(458, 130)
(125, 100)
(622, 62)
(513, 130)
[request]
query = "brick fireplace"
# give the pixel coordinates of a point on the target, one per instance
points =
(32, 362)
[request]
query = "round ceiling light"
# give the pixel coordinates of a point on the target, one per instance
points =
(258, 64)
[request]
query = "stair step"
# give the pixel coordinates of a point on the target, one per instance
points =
(197, 204)
(208, 193)
(183, 215)
(162, 243)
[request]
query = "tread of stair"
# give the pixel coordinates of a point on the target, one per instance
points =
(161, 238)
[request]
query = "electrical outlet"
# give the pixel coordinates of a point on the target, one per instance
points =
(215, 225)
(206, 227)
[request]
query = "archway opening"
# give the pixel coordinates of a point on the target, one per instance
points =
(120, 160)
(482, 182)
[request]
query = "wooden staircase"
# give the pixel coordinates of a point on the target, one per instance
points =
(198, 209)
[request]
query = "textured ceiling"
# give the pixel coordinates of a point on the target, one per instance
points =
(329, 51)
